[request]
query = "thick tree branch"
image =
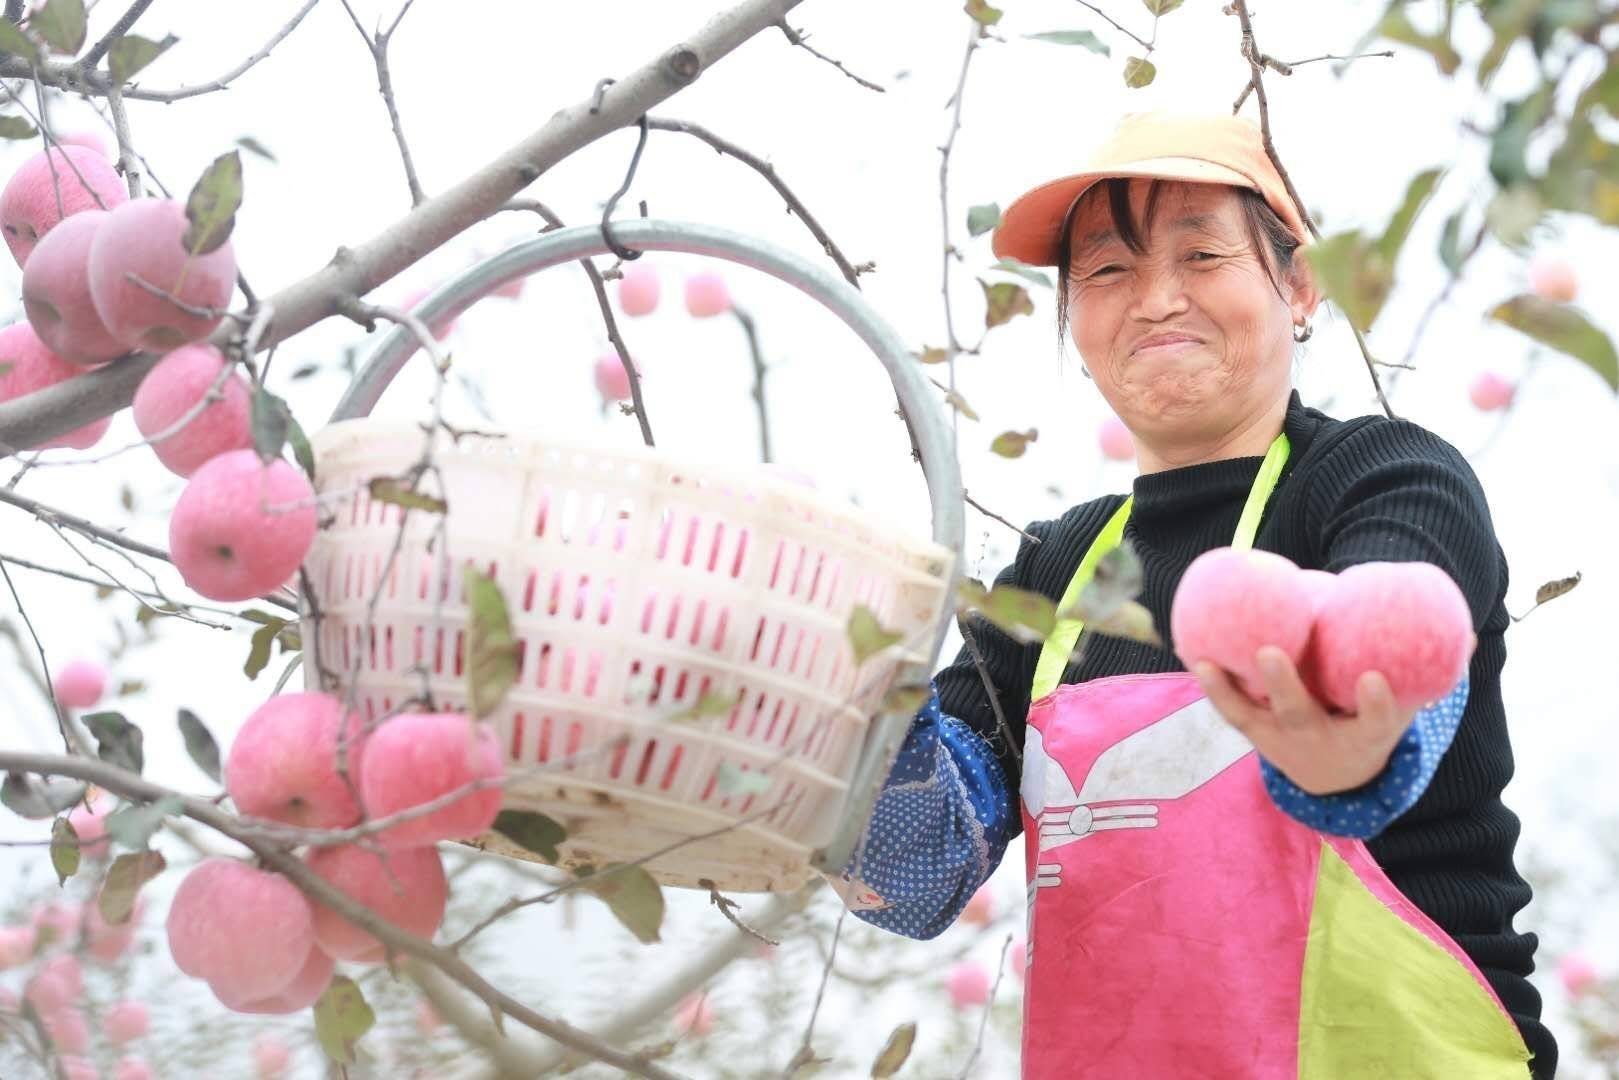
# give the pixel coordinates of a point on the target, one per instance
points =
(356, 271)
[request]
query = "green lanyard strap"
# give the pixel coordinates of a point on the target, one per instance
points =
(1065, 636)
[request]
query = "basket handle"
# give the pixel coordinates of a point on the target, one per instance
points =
(934, 442)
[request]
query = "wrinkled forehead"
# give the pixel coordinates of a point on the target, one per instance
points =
(1176, 206)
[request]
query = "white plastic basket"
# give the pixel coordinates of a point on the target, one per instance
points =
(637, 585)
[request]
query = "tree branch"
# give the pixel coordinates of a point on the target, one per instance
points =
(119, 29)
(379, 53)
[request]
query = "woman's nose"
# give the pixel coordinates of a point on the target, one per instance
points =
(1159, 292)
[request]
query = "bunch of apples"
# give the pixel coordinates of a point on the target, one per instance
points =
(639, 290)
(263, 947)
(1407, 620)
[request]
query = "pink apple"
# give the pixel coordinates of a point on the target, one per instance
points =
(1232, 601)
(282, 764)
(980, 910)
(134, 1068)
(145, 238)
(1017, 958)
(173, 388)
(69, 1030)
(1491, 391)
(16, 946)
(409, 891)
(90, 823)
(638, 290)
(706, 295)
(84, 179)
(693, 1016)
(1319, 585)
(92, 140)
(246, 931)
(1115, 440)
(416, 758)
(1553, 279)
(241, 528)
(304, 990)
(1406, 620)
(1577, 974)
(56, 293)
(968, 984)
(27, 365)
(612, 381)
(125, 1022)
(79, 684)
(60, 923)
(105, 941)
(77, 1067)
(56, 983)
(271, 1056)
(440, 328)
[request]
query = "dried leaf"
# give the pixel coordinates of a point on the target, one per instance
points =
(532, 831)
(118, 742)
(983, 13)
(491, 650)
(130, 54)
(1117, 579)
(17, 127)
(200, 744)
(1009, 265)
(1021, 614)
(933, 356)
(1012, 444)
(123, 883)
(1131, 621)
(1138, 72)
(1073, 37)
(906, 699)
(211, 207)
(64, 850)
(341, 1018)
(1553, 589)
(954, 399)
(895, 1051)
(981, 219)
(1003, 301)
(1161, 7)
(389, 489)
(632, 895)
(867, 636)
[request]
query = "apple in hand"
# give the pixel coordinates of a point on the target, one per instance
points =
(1230, 602)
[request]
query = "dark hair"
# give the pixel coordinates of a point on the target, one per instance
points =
(1265, 231)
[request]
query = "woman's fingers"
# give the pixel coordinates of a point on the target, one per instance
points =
(1289, 699)
(1233, 704)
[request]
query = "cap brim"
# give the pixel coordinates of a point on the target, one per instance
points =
(1029, 228)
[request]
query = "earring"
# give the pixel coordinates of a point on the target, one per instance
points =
(1302, 331)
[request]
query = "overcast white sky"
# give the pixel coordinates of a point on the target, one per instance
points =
(474, 78)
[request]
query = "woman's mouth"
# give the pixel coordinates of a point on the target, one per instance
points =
(1165, 344)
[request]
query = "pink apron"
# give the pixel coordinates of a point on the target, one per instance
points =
(1181, 925)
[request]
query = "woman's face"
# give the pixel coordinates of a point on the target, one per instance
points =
(1188, 340)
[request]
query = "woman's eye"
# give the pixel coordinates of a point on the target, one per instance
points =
(1203, 256)
(1110, 269)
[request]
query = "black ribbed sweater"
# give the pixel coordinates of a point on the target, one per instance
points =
(1353, 491)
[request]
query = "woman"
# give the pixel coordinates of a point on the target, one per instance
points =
(1218, 888)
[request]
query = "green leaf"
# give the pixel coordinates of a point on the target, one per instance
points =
(300, 445)
(1509, 20)
(1131, 621)
(1138, 72)
(271, 420)
(981, 219)
(867, 636)
(532, 831)
(123, 883)
(118, 742)
(732, 779)
(983, 13)
(200, 745)
(895, 1051)
(389, 489)
(341, 1017)
(254, 146)
(211, 207)
(1354, 275)
(1161, 7)
(632, 895)
(1073, 37)
(1023, 270)
(16, 127)
(1397, 27)
(1510, 144)
(708, 705)
(1024, 615)
(1563, 328)
(491, 651)
(64, 850)
(1003, 301)
(1417, 193)
(37, 798)
(14, 41)
(1450, 242)
(129, 54)
(133, 826)
(1116, 580)
(1012, 444)
(258, 653)
(1513, 212)
(62, 24)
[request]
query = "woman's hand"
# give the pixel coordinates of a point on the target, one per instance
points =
(1321, 752)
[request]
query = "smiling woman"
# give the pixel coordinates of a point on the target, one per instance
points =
(1223, 885)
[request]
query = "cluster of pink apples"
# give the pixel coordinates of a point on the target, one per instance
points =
(54, 943)
(1406, 620)
(102, 275)
(639, 289)
(251, 934)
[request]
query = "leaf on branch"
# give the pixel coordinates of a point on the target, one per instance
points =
(983, 13)
(1564, 329)
(906, 699)
(341, 1018)
(981, 219)
(1354, 274)
(131, 53)
(1012, 444)
(1450, 243)
(118, 742)
(62, 24)
(16, 127)
(1024, 615)
(1396, 26)
(131, 686)
(1073, 37)
(200, 744)
(532, 831)
(1138, 72)
(1512, 212)
(732, 779)
(123, 883)
(895, 1051)
(954, 399)
(37, 798)
(708, 705)
(1161, 7)
(64, 850)
(133, 826)
(867, 636)
(491, 651)
(1131, 621)
(1399, 227)
(1553, 589)
(211, 207)
(300, 446)
(933, 356)
(258, 653)
(1116, 580)
(271, 420)
(1009, 265)
(254, 146)
(14, 41)
(389, 489)
(633, 896)
(1003, 301)
(1520, 120)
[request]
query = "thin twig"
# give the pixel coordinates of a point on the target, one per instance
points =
(118, 30)
(379, 53)
(976, 505)
(68, 739)
(727, 908)
(751, 329)
(1134, 37)
(990, 690)
(120, 128)
(983, 1020)
(797, 38)
(1331, 56)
